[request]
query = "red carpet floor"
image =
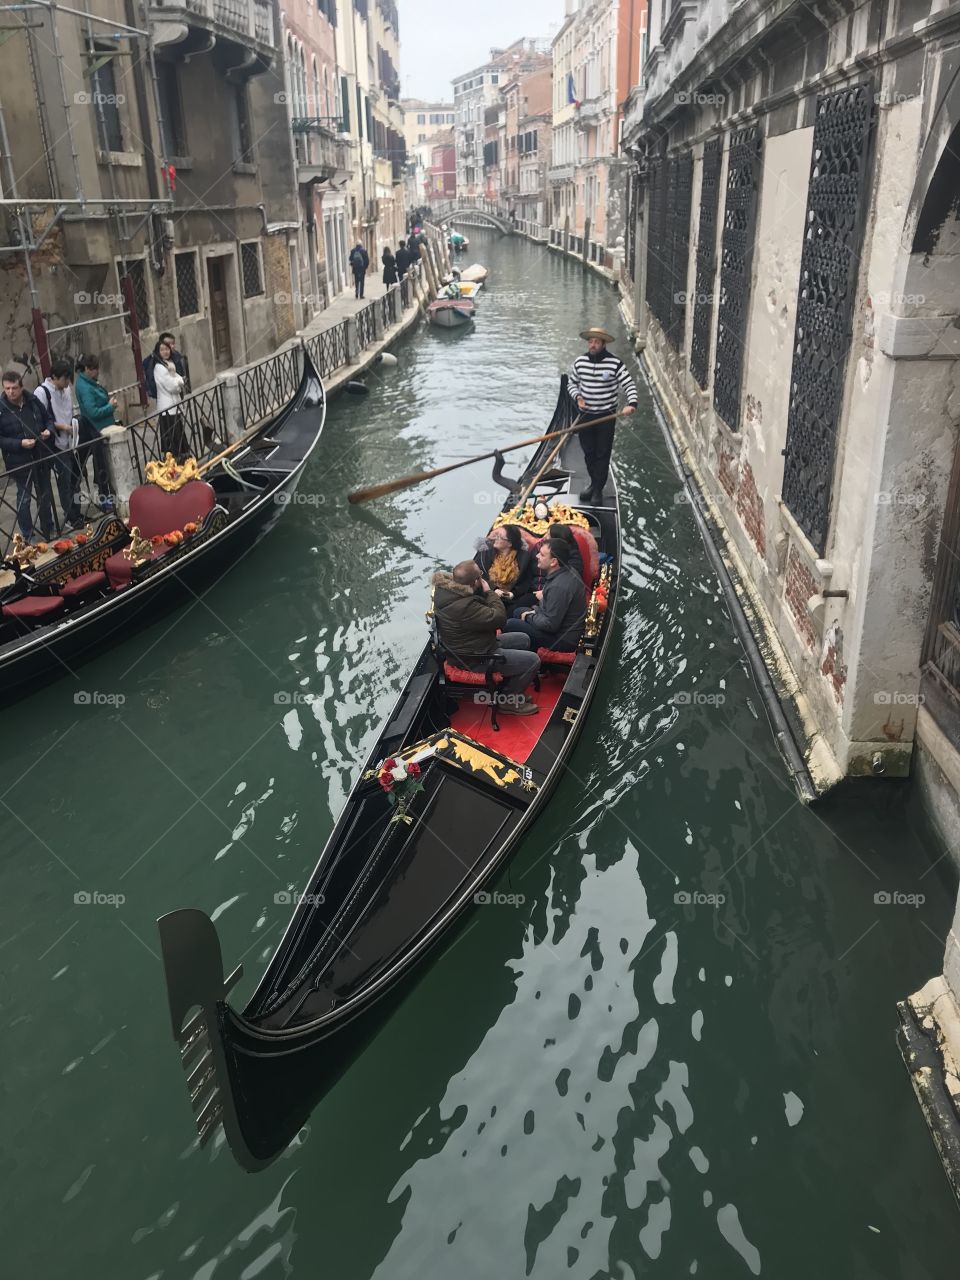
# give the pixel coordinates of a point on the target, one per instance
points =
(518, 734)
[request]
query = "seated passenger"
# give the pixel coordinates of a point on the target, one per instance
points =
(468, 615)
(507, 563)
(557, 620)
(564, 532)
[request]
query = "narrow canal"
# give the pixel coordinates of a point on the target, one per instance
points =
(599, 1079)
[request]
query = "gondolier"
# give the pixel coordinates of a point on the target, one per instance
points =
(596, 382)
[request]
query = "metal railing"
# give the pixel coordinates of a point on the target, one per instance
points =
(49, 497)
(365, 328)
(269, 384)
(198, 426)
(328, 349)
(386, 309)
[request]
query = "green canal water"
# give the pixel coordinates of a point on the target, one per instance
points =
(605, 1080)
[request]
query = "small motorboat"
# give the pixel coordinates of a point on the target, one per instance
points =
(475, 274)
(449, 313)
(460, 289)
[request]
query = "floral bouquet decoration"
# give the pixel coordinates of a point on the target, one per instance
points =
(401, 781)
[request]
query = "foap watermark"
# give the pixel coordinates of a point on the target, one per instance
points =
(697, 698)
(686, 499)
(506, 299)
(84, 99)
(483, 698)
(683, 299)
(880, 298)
(291, 898)
(696, 898)
(892, 98)
(96, 898)
(497, 899)
(691, 98)
(96, 299)
(886, 898)
(901, 498)
(292, 698)
(299, 499)
(97, 698)
(482, 498)
(284, 299)
(894, 698)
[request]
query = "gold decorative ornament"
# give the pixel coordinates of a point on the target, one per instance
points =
(526, 518)
(22, 551)
(598, 603)
(137, 549)
(457, 749)
(170, 475)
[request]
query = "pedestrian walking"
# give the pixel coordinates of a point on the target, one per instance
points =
(27, 444)
(389, 267)
(596, 382)
(359, 262)
(403, 258)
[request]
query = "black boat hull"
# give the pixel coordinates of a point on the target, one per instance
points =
(261, 1072)
(57, 650)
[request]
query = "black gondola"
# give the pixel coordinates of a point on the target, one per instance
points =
(385, 891)
(86, 609)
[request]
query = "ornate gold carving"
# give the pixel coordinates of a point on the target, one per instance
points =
(22, 551)
(462, 751)
(137, 549)
(598, 603)
(169, 475)
(570, 714)
(480, 761)
(526, 519)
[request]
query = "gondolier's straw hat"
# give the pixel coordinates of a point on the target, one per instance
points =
(596, 332)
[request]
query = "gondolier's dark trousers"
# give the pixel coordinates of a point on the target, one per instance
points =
(597, 445)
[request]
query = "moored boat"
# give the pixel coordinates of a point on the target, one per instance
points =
(187, 526)
(476, 273)
(404, 867)
(450, 313)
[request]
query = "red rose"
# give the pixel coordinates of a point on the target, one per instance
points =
(413, 769)
(390, 764)
(158, 540)
(386, 781)
(81, 538)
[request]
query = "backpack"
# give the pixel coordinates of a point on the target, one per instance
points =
(356, 260)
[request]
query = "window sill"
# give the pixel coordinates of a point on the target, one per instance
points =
(242, 166)
(180, 163)
(124, 159)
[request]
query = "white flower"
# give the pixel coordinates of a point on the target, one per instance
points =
(399, 773)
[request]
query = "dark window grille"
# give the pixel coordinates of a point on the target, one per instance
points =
(833, 236)
(136, 271)
(171, 104)
(188, 294)
(706, 260)
(736, 258)
(104, 93)
(250, 269)
(679, 188)
(657, 291)
(243, 140)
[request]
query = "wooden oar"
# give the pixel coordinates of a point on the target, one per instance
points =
(407, 482)
(236, 445)
(521, 500)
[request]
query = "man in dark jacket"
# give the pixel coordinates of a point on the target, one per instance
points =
(403, 260)
(359, 261)
(558, 619)
(468, 616)
(27, 444)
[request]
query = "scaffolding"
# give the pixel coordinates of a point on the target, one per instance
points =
(16, 18)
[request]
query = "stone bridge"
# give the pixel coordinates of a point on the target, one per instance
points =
(469, 215)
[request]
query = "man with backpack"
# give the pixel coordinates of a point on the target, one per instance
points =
(359, 262)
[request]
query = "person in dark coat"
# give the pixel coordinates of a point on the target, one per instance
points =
(557, 620)
(574, 558)
(468, 615)
(403, 260)
(413, 244)
(359, 262)
(507, 563)
(389, 267)
(27, 433)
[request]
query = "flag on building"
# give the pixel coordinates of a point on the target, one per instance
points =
(572, 91)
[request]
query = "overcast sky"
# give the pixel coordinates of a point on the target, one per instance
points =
(443, 38)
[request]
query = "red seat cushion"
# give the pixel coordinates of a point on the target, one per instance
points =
(33, 608)
(589, 554)
(460, 675)
(558, 656)
(120, 569)
(79, 586)
(153, 511)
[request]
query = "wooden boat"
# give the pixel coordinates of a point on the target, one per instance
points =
(460, 289)
(60, 611)
(394, 881)
(450, 313)
(475, 273)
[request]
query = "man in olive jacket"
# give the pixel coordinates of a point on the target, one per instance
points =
(468, 617)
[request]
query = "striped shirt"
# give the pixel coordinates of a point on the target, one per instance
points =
(600, 379)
